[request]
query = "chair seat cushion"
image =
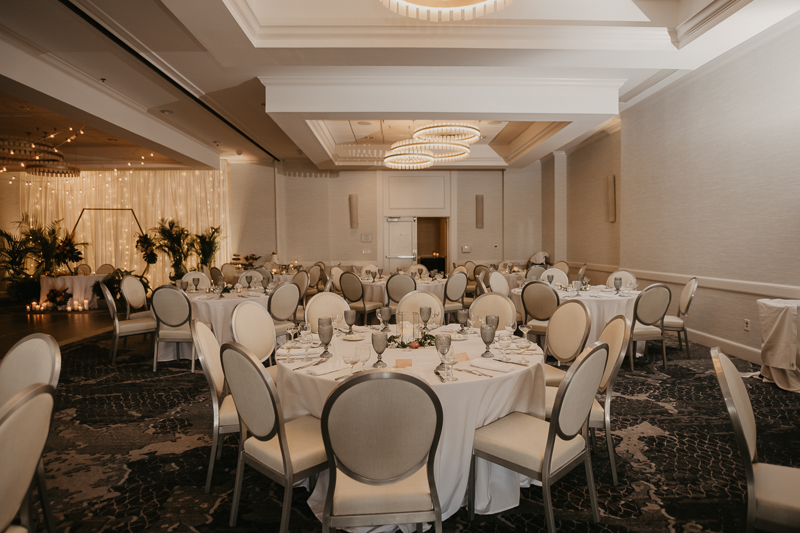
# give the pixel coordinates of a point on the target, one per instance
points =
(595, 416)
(273, 373)
(452, 306)
(645, 333)
(521, 439)
(673, 322)
(553, 376)
(141, 314)
(777, 488)
(228, 415)
(169, 334)
(361, 306)
(282, 326)
(538, 327)
(471, 286)
(311, 292)
(304, 438)
(354, 498)
(137, 325)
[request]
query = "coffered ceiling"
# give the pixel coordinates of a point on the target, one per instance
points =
(266, 80)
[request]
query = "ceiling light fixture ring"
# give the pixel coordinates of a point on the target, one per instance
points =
(445, 10)
(460, 133)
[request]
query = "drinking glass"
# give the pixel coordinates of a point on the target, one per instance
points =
(196, 282)
(324, 321)
(374, 275)
(617, 284)
(425, 315)
(524, 328)
(350, 359)
(379, 342)
(184, 285)
(380, 272)
(550, 279)
(305, 342)
(504, 343)
(442, 342)
(511, 326)
(350, 319)
(462, 315)
(450, 359)
(487, 336)
(385, 314)
(363, 355)
(493, 320)
(337, 322)
(521, 283)
(325, 333)
(248, 278)
(434, 316)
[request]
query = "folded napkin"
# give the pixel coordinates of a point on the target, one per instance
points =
(450, 328)
(605, 295)
(297, 351)
(491, 364)
(363, 329)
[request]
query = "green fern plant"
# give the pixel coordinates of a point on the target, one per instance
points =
(43, 242)
(175, 241)
(14, 252)
(205, 245)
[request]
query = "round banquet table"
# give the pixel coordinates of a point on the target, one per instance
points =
(80, 287)
(468, 404)
(513, 278)
(376, 292)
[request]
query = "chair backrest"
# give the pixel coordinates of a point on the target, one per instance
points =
(207, 348)
(534, 273)
(205, 270)
(34, 359)
(336, 274)
(558, 276)
(301, 280)
(283, 301)
(266, 275)
(493, 303)
(254, 274)
(132, 289)
(582, 271)
(480, 282)
(369, 268)
(254, 393)
(111, 304)
(567, 330)
(418, 268)
(651, 304)
(412, 302)
(575, 395)
(616, 334)
(504, 265)
(498, 283)
(398, 285)
(105, 269)
(687, 295)
(191, 276)
(456, 286)
(480, 269)
(540, 300)
(216, 275)
(313, 275)
(272, 265)
(352, 289)
(740, 410)
(24, 426)
(372, 448)
(254, 329)
(229, 271)
(628, 279)
(563, 266)
(470, 266)
(171, 306)
(322, 305)
(84, 269)
(460, 268)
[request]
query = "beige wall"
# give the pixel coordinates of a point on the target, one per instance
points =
(549, 206)
(486, 243)
(522, 213)
(252, 197)
(346, 245)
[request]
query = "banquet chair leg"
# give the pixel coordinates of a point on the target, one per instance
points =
(419, 528)
(548, 506)
(611, 458)
(686, 341)
(125, 342)
(287, 504)
(664, 350)
(237, 491)
(47, 510)
(594, 440)
(156, 346)
(471, 488)
(220, 445)
(114, 343)
(214, 446)
(312, 483)
(591, 488)
(631, 352)
(194, 356)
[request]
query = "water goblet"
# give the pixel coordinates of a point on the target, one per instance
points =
(374, 275)
(380, 272)
(462, 315)
(363, 355)
(350, 319)
(337, 322)
(487, 336)
(325, 335)
(505, 343)
(248, 278)
(385, 315)
(493, 320)
(379, 343)
(617, 284)
(324, 321)
(425, 315)
(434, 316)
(195, 282)
(305, 342)
(524, 328)
(450, 359)
(521, 283)
(550, 279)
(350, 359)
(442, 343)
(511, 326)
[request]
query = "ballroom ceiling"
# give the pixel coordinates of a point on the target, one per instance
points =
(266, 80)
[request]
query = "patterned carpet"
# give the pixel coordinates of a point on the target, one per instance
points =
(129, 450)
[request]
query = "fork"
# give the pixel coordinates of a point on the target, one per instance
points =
(315, 363)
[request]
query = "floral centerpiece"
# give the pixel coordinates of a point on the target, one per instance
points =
(145, 245)
(59, 297)
(396, 341)
(250, 260)
(67, 251)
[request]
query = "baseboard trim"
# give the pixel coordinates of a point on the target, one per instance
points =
(748, 353)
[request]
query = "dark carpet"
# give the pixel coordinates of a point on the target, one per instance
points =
(129, 449)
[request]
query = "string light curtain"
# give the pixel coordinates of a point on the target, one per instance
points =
(196, 199)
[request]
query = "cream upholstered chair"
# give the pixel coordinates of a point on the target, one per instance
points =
(540, 301)
(353, 292)
(480, 287)
(471, 284)
(419, 268)
(546, 451)
(628, 279)
(282, 306)
(314, 274)
(105, 269)
(460, 268)
(216, 276)
(36, 359)
(772, 490)
(229, 271)
(24, 427)
(493, 303)
(266, 275)
(534, 273)
(454, 291)
(398, 285)
(83, 269)
(336, 274)
(563, 266)
(369, 268)
(203, 279)
(648, 318)
(567, 331)
(479, 270)
(414, 300)
(381, 469)
(616, 334)
(255, 277)
(301, 279)
(254, 329)
(678, 323)
(558, 276)
(498, 283)
(283, 451)
(323, 305)
(205, 270)
(132, 289)
(225, 418)
(125, 328)
(173, 316)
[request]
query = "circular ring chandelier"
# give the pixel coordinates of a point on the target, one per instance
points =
(430, 144)
(445, 10)
(459, 133)
(49, 169)
(411, 161)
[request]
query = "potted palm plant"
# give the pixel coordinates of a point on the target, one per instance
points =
(175, 241)
(205, 245)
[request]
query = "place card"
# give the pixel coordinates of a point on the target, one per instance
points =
(462, 357)
(403, 363)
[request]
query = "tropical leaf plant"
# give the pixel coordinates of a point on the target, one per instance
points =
(43, 241)
(205, 245)
(14, 252)
(175, 241)
(114, 283)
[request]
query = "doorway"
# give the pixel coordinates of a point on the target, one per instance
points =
(432, 242)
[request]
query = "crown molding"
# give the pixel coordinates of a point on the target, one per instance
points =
(705, 19)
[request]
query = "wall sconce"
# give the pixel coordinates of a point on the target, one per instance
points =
(479, 211)
(611, 191)
(353, 211)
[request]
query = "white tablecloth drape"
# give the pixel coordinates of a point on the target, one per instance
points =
(79, 286)
(780, 353)
(469, 403)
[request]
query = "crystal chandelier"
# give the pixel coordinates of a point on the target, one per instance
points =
(37, 158)
(445, 10)
(431, 144)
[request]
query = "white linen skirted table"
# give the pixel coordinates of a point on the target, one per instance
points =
(468, 404)
(376, 292)
(780, 350)
(79, 286)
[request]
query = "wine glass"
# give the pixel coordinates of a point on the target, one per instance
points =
(385, 315)
(434, 316)
(248, 278)
(325, 335)
(195, 282)
(305, 338)
(487, 336)
(442, 343)
(511, 326)
(380, 272)
(550, 279)
(425, 315)
(363, 355)
(450, 359)
(337, 322)
(524, 328)
(379, 342)
(617, 284)
(373, 274)
(350, 319)
(462, 315)
(351, 358)
(493, 320)
(505, 343)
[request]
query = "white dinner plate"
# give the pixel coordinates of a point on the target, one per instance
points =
(460, 338)
(353, 338)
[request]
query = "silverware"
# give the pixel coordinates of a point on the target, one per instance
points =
(474, 373)
(440, 376)
(315, 363)
(331, 372)
(515, 363)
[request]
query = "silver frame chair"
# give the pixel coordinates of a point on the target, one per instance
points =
(83, 271)
(354, 298)
(143, 325)
(554, 376)
(390, 284)
(103, 270)
(128, 292)
(687, 296)
(563, 266)
(457, 300)
(301, 275)
(336, 465)
(495, 296)
(534, 273)
(621, 273)
(217, 276)
(280, 318)
(557, 429)
(538, 312)
(160, 320)
(656, 320)
(320, 297)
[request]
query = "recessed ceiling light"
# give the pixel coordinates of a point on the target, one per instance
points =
(363, 123)
(166, 111)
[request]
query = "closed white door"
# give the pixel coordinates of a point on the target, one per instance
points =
(401, 239)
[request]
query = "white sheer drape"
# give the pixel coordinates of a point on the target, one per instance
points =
(196, 199)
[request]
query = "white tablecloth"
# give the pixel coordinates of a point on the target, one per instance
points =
(780, 353)
(469, 403)
(79, 286)
(376, 292)
(514, 278)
